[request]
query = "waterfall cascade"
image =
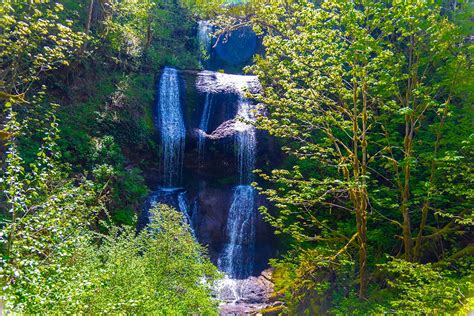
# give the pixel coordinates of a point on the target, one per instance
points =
(171, 127)
(246, 141)
(175, 197)
(204, 35)
(238, 255)
(225, 220)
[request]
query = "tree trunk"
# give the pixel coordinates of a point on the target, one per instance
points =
(426, 204)
(359, 195)
(361, 215)
(89, 17)
(405, 194)
(88, 26)
(148, 36)
(363, 198)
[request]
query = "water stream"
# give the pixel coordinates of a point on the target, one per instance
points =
(171, 127)
(237, 256)
(204, 125)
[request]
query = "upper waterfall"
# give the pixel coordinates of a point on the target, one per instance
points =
(246, 141)
(171, 127)
(204, 36)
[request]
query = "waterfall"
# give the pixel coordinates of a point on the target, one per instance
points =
(246, 141)
(204, 125)
(237, 258)
(183, 207)
(204, 36)
(174, 197)
(171, 127)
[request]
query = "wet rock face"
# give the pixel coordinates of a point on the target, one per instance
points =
(211, 168)
(210, 224)
(211, 221)
(234, 50)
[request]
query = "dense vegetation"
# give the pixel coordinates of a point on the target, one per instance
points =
(371, 102)
(76, 85)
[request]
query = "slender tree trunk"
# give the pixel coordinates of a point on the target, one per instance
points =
(359, 193)
(88, 26)
(89, 17)
(362, 230)
(361, 219)
(406, 226)
(407, 148)
(426, 204)
(148, 36)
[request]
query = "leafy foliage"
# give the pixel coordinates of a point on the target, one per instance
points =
(63, 196)
(54, 262)
(365, 96)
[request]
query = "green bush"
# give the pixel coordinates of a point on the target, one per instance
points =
(162, 270)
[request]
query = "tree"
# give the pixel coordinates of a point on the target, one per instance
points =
(323, 100)
(359, 92)
(34, 39)
(54, 261)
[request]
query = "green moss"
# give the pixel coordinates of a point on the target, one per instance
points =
(275, 310)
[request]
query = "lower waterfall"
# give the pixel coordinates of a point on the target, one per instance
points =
(238, 257)
(184, 208)
(175, 197)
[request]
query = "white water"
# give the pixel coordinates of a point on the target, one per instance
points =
(204, 36)
(176, 198)
(229, 290)
(204, 125)
(171, 127)
(184, 208)
(237, 259)
(245, 141)
(216, 82)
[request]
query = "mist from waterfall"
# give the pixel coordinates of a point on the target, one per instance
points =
(171, 127)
